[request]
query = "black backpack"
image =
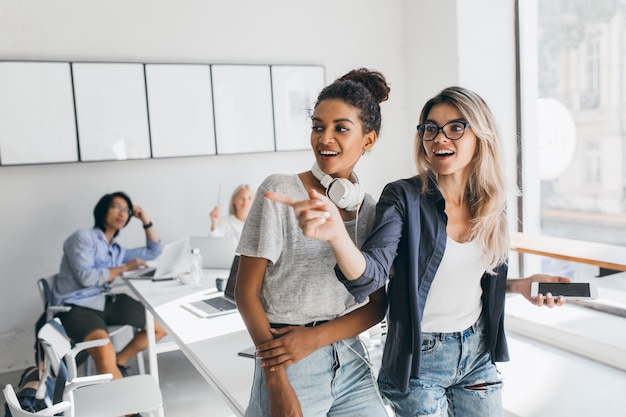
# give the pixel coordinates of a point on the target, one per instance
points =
(32, 395)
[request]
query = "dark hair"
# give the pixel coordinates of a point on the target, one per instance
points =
(102, 209)
(363, 89)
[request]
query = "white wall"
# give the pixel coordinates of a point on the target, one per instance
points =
(41, 205)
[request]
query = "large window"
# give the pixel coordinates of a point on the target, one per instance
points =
(573, 86)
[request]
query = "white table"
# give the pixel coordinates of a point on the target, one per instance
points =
(231, 375)
(210, 344)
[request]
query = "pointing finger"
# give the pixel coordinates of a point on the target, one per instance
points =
(280, 198)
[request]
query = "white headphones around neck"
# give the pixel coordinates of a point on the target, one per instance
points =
(346, 194)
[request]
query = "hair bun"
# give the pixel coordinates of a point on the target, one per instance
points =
(374, 81)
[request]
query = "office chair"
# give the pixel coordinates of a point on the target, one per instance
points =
(96, 395)
(116, 332)
(17, 411)
(45, 293)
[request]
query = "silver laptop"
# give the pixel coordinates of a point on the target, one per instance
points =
(217, 252)
(173, 260)
(222, 304)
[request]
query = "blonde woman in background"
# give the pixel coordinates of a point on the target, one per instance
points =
(231, 226)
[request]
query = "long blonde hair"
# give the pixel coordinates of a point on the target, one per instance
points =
(486, 188)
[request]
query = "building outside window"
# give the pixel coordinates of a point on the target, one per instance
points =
(593, 163)
(573, 87)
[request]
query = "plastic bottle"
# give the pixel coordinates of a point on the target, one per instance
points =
(196, 268)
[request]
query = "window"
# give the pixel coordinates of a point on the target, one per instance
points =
(593, 160)
(573, 85)
(590, 95)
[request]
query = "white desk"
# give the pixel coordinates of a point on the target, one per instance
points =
(229, 373)
(211, 344)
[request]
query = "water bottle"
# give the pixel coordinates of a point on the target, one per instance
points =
(196, 268)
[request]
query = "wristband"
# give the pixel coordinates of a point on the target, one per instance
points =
(147, 226)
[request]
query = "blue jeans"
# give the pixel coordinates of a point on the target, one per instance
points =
(332, 381)
(456, 378)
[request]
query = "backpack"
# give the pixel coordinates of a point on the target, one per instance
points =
(32, 395)
(27, 392)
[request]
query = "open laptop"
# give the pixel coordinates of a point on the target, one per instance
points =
(173, 260)
(222, 304)
(217, 252)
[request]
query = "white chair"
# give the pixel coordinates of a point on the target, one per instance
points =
(117, 333)
(97, 395)
(16, 409)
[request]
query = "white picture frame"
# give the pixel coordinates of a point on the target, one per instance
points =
(294, 91)
(180, 103)
(244, 121)
(111, 111)
(37, 123)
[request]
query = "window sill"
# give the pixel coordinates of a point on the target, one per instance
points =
(593, 334)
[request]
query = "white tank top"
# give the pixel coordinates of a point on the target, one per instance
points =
(454, 300)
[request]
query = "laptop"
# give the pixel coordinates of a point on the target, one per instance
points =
(222, 304)
(173, 260)
(217, 252)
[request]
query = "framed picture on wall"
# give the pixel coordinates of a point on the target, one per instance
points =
(37, 123)
(244, 119)
(111, 111)
(181, 110)
(294, 91)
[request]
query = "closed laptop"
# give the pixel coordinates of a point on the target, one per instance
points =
(217, 252)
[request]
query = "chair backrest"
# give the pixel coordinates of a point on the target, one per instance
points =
(45, 286)
(16, 409)
(57, 346)
(13, 402)
(44, 292)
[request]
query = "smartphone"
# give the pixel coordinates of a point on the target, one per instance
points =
(248, 352)
(574, 290)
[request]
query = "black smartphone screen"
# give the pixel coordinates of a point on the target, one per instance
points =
(566, 289)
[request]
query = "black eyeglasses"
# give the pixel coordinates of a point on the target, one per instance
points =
(452, 130)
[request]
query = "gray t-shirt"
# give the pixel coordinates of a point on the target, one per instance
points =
(300, 285)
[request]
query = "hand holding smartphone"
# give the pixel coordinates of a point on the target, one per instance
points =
(571, 290)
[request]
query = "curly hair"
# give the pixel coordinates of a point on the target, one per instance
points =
(363, 89)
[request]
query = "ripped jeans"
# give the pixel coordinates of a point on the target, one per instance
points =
(457, 378)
